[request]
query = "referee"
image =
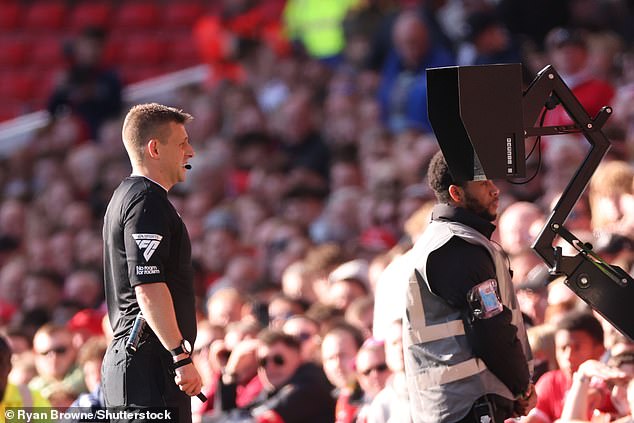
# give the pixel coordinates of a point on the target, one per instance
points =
(148, 270)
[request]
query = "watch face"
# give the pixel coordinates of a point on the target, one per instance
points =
(187, 347)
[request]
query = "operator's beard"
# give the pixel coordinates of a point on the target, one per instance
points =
(478, 209)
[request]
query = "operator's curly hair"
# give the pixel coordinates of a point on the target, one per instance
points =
(439, 178)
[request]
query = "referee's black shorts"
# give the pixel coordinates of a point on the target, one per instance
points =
(142, 381)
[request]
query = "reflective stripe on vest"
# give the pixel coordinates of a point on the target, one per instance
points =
(444, 375)
(422, 331)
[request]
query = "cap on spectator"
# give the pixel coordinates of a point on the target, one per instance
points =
(353, 269)
(377, 239)
(559, 37)
(88, 321)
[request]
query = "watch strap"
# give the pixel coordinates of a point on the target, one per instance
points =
(178, 350)
(182, 362)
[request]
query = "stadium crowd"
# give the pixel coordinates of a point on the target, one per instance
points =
(308, 185)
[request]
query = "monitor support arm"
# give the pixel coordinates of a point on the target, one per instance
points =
(606, 288)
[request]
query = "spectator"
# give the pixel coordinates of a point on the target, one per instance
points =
(294, 391)
(55, 362)
(225, 306)
(85, 287)
(12, 395)
(316, 27)
(391, 404)
(296, 285)
(348, 282)
(611, 196)
(488, 41)
(88, 89)
(339, 348)
(568, 51)
(360, 313)
(282, 308)
(403, 89)
(307, 331)
(583, 399)
(578, 338)
(43, 290)
(372, 373)
(519, 224)
(89, 358)
(542, 341)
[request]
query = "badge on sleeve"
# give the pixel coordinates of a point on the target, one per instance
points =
(147, 243)
(484, 300)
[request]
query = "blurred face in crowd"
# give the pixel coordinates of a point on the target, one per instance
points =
(338, 352)
(280, 310)
(308, 334)
(569, 58)
(372, 371)
(574, 347)
(277, 363)
(411, 39)
(343, 292)
(519, 224)
(54, 354)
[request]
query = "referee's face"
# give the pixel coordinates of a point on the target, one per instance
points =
(176, 152)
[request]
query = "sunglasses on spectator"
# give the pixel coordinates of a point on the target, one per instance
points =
(379, 368)
(277, 359)
(56, 350)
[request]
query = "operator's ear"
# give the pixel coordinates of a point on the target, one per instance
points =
(456, 193)
(152, 148)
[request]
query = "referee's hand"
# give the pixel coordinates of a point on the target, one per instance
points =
(188, 379)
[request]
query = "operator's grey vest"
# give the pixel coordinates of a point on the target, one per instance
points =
(444, 378)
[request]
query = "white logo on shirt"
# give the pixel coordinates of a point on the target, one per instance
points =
(148, 243)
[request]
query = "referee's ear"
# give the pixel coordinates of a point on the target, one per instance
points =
(152, 148)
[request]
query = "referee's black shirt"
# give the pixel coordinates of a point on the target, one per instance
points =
(146, 241)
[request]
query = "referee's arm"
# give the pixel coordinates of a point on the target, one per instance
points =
(156, 305)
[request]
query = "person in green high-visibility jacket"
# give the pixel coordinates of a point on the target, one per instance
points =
(316, 26)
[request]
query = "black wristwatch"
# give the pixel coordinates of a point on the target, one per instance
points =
(184, 347)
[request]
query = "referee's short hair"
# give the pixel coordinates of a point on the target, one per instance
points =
(147, 121)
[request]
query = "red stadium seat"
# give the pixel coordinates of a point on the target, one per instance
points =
(13, 51)
(11, 14)
(11, 109)
(182, 15)
(182, 51)
(46, 52)
(17, 86)
(45, 15)
(90, 13)
(132, 73)
(143, 49)
(137, 16)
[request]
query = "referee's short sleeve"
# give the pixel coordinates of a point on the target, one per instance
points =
(147, 238)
